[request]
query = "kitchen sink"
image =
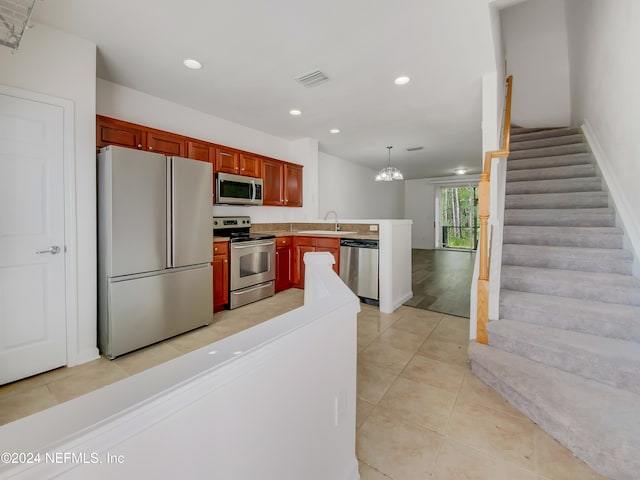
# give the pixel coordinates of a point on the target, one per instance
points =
(325, 232)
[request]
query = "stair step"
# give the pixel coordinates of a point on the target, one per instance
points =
(606, 360)
(600, 287)
(546, 162)
(596, 318)
(570, 217)
(550, 173)
(550, 151)
(586, 237)
(564, 185)
(598, 423)
(546, 142)
(556, 132)
(604, 260)
(558, 200)
(518, 130)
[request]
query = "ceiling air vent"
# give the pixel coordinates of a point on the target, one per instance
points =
(414, 149)
(312, 79)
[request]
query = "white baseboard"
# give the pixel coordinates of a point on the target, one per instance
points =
(625, 211)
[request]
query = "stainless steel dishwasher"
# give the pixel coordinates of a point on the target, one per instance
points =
(359, 267)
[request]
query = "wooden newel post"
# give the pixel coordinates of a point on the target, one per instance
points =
(483, 250)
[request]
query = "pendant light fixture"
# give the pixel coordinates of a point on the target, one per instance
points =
(389, 173)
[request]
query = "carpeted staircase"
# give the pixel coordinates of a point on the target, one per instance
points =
(566, 350)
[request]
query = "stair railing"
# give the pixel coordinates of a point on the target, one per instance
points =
(483, 214)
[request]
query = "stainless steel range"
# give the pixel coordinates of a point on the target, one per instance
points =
(252, 267)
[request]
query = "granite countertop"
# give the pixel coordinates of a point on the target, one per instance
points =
(289, 233)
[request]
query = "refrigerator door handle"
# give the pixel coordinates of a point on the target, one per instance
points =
(170, 213)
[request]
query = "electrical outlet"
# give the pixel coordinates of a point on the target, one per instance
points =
(373, 228)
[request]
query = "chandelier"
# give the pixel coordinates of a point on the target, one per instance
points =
(389, 173)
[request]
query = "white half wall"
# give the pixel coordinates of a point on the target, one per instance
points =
(605, 95)
(274, 402)
(535, 39)
(54, 63)
(351, 190)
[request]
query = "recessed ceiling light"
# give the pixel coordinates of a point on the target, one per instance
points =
(460, 171)
(295, 112)
(192, 64)
(402, 80)
(335, 130)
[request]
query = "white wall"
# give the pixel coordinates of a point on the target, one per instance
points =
(351, 190)
(54, 63)
(419, 200)
(605, 93)
(124, 103)
(534, 34)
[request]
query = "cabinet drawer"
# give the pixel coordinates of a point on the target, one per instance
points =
(283, 241)
(220, 248)
(327, 242)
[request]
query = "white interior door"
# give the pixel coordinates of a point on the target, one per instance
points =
(32, 250)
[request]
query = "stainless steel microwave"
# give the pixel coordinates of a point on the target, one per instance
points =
(238, 189)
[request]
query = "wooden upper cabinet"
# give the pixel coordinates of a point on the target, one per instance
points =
(200, 151)
(272, 182)
(292, 185)
(282, 181)
(116, 132)
(166, 143)
(226, 160)
(250, 165)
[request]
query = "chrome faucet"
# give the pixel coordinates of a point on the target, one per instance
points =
(337, 227)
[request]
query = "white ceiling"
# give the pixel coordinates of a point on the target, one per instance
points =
(252, 51)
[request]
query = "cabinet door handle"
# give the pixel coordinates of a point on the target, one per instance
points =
(139, 145)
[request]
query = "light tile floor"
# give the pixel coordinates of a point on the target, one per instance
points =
(421, 413)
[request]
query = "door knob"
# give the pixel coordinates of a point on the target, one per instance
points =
(52, 250)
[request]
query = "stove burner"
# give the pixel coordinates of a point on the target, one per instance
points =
(237, 229)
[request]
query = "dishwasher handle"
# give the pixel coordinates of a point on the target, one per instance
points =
(358, 243)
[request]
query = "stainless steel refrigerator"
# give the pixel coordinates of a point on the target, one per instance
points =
(154, 244)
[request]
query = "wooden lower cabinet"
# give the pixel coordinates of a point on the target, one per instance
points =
(302, 245)
(220, 275)
(284, 263)
(331, 245)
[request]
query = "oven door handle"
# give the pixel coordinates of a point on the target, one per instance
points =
(253, 190)
(252, 244)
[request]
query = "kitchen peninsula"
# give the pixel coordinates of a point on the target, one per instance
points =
(394, 238)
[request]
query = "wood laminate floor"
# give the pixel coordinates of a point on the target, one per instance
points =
(441, 280)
